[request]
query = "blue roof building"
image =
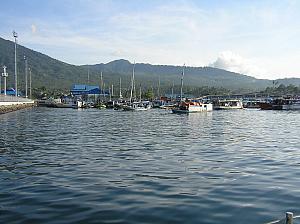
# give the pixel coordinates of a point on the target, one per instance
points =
(84, 90)
(9, 92)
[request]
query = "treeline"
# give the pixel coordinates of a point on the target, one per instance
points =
(283, 90)
(148, 92)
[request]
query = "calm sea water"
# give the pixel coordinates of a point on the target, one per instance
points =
(105, 166)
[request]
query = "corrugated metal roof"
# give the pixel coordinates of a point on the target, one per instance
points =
(81, 87)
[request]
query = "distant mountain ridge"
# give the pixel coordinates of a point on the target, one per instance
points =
(52, 73)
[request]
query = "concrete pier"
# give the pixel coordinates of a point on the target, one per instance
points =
(12, 103)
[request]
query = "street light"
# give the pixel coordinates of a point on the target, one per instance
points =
(4, 74)
(0, 84)
(16, 80)
(26, 75)
(30, 83)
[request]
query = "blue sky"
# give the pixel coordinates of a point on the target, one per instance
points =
(258, 38)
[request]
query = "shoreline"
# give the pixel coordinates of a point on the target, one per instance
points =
(10, 108)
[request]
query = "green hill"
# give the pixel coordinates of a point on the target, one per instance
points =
(54, 74)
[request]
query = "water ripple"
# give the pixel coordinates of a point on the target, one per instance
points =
(102, 166)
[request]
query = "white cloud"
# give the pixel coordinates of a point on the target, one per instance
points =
(33, 28)
(171, 32)
(233, 62)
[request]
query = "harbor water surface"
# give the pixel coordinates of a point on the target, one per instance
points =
(105, 166)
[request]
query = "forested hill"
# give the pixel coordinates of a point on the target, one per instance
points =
(52, 73)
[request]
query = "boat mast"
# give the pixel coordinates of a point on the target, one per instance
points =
(109, 94)
(134, 90)
(132, 84)
(104, 91)
(158, 90)
(101, 84)
(88, 75)
(120, 89)
(140, 93)
(182, 82)
(172, 97)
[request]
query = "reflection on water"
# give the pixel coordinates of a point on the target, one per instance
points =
(104, 166)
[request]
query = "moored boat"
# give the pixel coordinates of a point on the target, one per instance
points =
(281, 104)
(192, 107)
(291, 104)
(228, 104)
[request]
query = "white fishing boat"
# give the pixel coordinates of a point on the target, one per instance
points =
(228, 104)
(136, 106)
(192, 107)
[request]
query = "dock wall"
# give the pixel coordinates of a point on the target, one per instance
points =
(11, 103)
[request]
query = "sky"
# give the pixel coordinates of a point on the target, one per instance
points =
(260, 38)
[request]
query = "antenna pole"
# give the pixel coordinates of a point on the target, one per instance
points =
(30, 95)
(120, 89)
(26, 77)
(15, 35)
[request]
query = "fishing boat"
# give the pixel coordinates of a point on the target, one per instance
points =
(192, 107)
(168, 105)
(228, 104)
(251, 104)
(136, 106)
(281, 104)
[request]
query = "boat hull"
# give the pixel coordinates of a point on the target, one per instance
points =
(291, 107)
(227, 107)
(193, 109)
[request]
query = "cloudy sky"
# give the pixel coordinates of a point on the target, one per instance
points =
(260, 38)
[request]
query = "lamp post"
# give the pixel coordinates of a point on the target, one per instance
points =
(30, 95)
(4, 74)
(16, 80)
(0, 84)
(26, 75)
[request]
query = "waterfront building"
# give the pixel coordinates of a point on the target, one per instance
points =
(80, 90)
(9, 92)
(88, 93)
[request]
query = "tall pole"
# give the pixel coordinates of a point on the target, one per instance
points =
(104, 91)
(16, 79)
(112, 90)
(109, 93)
(101, 82)
(172, 91)
(88, 77)
(0, 82)
(158, 90)
(120, 89)
(30, 95)
(140, 93)
(132, 83)
(181, 82)
(134, 91)
(26, 77)
(4, 74)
